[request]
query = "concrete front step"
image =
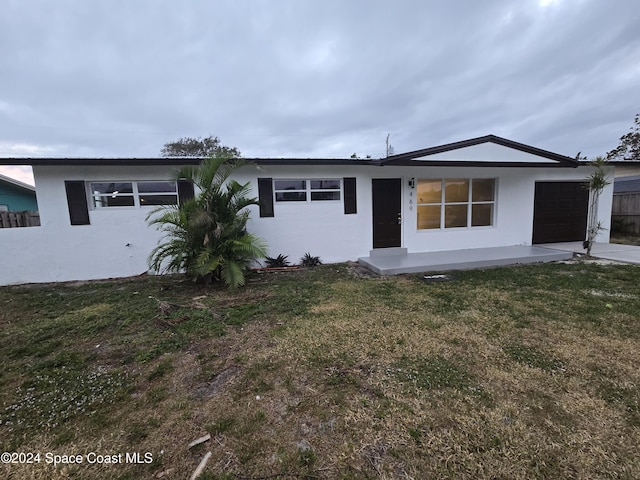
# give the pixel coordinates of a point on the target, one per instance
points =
(460, 259)
(387, 252)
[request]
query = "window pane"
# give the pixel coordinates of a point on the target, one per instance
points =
(290, 184)
(482, 215)
(331, 184)
(156, 187)
(113, 200)
(456, 190)
(291, 196)
(112, 187)
(455, 216)
(158, 200)
(112, 194)
(482, 190)
(428, 217)
(430, 191)
(325, 195)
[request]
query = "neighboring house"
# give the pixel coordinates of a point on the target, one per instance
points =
(483, 192)
(16, 196)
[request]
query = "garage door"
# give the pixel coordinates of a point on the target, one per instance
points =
(560, 212)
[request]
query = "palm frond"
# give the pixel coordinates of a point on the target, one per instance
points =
(232, 274)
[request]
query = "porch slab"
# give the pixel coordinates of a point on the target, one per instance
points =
(461, 259)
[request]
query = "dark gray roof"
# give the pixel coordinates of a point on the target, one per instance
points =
(400, 159)
(119, 161)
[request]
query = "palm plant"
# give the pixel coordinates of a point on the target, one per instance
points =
(206, 237)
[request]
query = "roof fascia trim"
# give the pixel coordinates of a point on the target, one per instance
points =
(566, 161)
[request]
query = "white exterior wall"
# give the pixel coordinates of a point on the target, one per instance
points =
(59, 251)
(118, 240)
(321, 228)
(513, 221)
(486, 152)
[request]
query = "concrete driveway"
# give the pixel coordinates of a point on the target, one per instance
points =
(607, 251)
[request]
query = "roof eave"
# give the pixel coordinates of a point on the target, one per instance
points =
(623, 162)
(471, 163)
(177, 161)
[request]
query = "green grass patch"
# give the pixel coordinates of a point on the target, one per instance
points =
(431, 373)
(161, 370)
(618, 391)
(533, 357)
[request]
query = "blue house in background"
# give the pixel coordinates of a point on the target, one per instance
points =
(16, 196)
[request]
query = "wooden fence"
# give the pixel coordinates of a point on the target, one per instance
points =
(625, 214)
(19, 219)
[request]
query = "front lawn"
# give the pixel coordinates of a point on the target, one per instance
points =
(520, 372)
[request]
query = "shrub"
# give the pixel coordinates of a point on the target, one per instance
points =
(206, 237)
(308, 261)
(279, 261)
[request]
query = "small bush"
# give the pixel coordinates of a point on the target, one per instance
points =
(279, 261)
(308, 261)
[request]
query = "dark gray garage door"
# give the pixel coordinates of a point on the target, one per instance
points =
(560, 212)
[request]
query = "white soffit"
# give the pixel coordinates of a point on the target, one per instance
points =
(487, 152)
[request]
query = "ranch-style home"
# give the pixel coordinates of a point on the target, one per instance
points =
(473, 195)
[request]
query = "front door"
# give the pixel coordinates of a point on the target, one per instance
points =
(387, 228)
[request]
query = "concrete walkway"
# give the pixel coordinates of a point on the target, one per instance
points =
(396, 261)
(607, 251)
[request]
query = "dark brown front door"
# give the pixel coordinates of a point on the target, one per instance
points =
(560, 212)
(387, 212)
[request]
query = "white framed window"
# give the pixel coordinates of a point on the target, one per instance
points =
(4, 208)
(456, 203)
(325, 189)
(133, 194)
(304, 190)
(290, 190)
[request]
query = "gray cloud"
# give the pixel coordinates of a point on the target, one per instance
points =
(328, 78)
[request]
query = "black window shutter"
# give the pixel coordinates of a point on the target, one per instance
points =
(185, 190)
(350, 204)
(265, 196)
(77, 201)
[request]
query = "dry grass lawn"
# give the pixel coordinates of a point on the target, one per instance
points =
(511, 373)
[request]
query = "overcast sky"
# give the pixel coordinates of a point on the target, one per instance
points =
(321, 78)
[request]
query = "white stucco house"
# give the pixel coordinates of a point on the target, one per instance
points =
(478, 193)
